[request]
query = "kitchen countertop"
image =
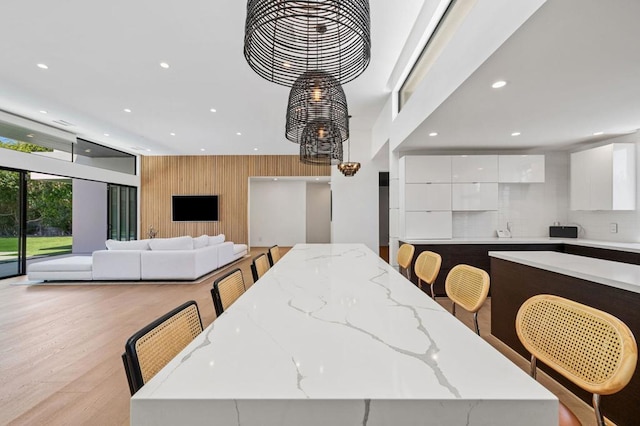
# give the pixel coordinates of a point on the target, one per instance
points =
(614, 274)
(332, 334)
(610, 245)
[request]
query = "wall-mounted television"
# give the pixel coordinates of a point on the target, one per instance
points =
(194, 208)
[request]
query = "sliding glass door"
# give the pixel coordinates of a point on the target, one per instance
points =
(12, 223)
(123, 212)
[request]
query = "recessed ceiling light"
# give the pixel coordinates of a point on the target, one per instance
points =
(148, 150)
(598, 133)
(164, 65)
(239, 134)
(498, 84)
(201, 149)
(255, 149)
(106, 134)
(127, 110)
(172, 134)
(30, 135)
(212, 110)
(87, 150)
(515, 134)
(433, 134)
(317, 178)
(43, 111)
(43, 66)
(275, 178)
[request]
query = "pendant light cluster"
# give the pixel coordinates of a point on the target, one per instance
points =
(314, 47)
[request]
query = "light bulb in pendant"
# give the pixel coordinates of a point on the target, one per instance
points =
(316, 94)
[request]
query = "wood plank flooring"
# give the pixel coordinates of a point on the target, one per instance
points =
(60, 347)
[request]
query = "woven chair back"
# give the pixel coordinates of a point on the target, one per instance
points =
(467, 286)
(591, 348)
(427, 266)
(226, 290)
(152, 347)
(405, 255)
(274, 255)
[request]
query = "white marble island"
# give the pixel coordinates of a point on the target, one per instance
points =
(333, 335)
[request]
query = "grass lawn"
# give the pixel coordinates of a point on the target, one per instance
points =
(37, 246)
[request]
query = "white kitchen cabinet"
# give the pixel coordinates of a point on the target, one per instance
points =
(427, 196)
(521, 168)
(426, 168)
(603, 178)
(474, 168)
(474, 196)
(428, 225)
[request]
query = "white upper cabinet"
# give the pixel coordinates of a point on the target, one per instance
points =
(428, 225)
(426, 168)
(604, 178)
(520, 168)
(427, 196)
(474, 196)
(474, 168)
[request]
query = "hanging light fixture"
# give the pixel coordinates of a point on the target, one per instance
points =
(349, 168)
(316, 95)
(285, 38)
(320, 143)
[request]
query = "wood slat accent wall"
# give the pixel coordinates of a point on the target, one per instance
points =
(226, 176)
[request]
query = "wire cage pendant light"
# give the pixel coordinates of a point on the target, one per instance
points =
(316, 95)
(320, 143)
(349, 168)
(285, 38)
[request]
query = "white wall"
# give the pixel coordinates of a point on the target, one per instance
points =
(318, 213)
(277, 213)
(595, 224)
(355, 199)
(89, 216)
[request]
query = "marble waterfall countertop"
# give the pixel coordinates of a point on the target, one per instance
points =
(333, 335)
(614, 274)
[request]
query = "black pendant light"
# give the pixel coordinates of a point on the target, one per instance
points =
(316, 95)
(320, 143)
(285, 38)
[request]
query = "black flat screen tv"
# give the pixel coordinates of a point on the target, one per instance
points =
(194, 208)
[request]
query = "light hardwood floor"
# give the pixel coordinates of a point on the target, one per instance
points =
(60, 347)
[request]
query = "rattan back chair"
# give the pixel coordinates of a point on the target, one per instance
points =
(427, 268)
(151, 348)
(259, 266)
(226, 290)
(274, 254)
(468, 287)
(404, 257)
(591, 348)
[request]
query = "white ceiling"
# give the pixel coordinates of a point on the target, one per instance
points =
(572, 69)
(104, 57)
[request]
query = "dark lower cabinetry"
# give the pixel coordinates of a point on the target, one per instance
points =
(513, 283)
(471, 254)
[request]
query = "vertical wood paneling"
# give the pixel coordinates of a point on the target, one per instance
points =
(226, 176)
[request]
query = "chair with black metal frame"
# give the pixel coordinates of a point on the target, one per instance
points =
(274, 254)
(226, 290)
(148, 350)
(259, 266)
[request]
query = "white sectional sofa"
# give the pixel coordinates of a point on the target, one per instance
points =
(180, 258)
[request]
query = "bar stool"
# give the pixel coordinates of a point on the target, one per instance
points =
(591, 348)
(427, 268)
(405, 256)
(468, 287)
(226, 290)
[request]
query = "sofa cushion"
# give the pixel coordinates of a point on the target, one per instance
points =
(201, 241)
(73, 263)
(218, 239)
(177, 243)
(127, 245)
